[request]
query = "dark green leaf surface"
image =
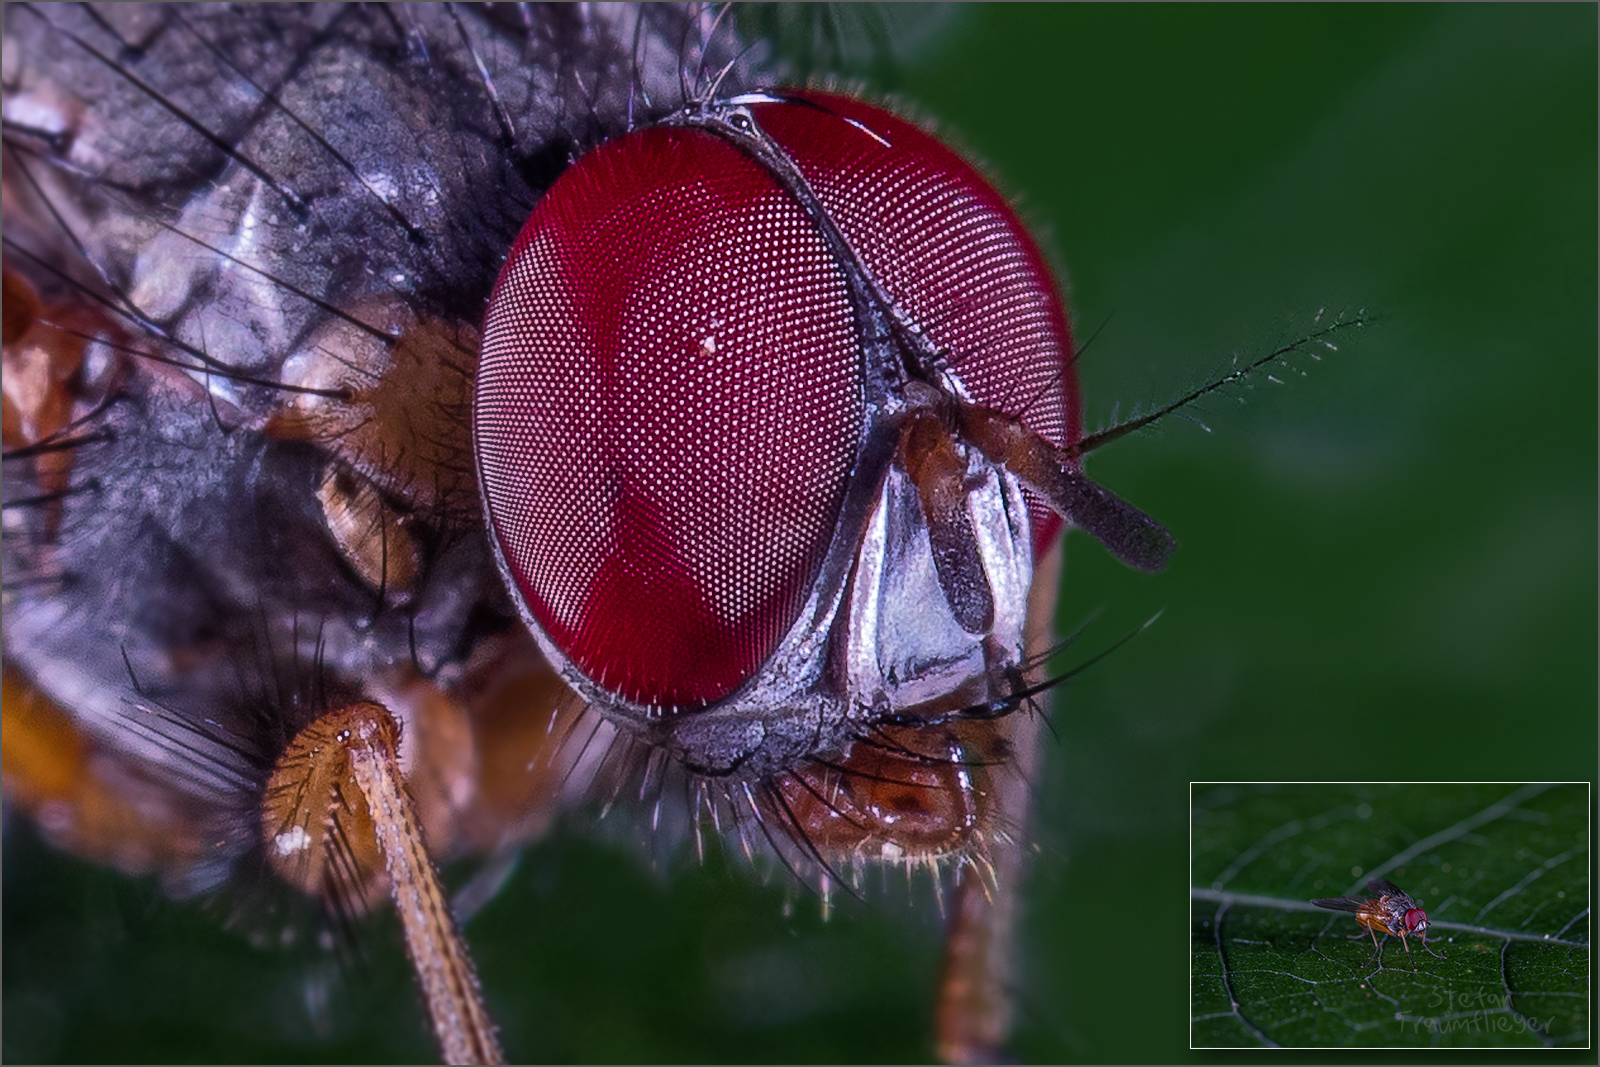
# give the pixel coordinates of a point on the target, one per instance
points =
(1502, 871)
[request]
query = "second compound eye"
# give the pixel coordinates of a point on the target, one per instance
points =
(668, 409)
(948, 251)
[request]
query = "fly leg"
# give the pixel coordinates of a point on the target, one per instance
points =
(1424, 939)
(1404, 941)
(973, 1013)
(1377, 953)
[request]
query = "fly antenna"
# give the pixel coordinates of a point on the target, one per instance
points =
(1317, 339)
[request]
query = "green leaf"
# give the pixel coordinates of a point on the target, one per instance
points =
(1502, 871)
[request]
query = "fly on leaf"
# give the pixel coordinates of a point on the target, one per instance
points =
(1389, 909)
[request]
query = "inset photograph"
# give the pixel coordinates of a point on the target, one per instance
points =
(1389, 915)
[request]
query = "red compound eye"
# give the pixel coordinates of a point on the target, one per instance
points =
(668, 407)
(671, 407)
(949, 250)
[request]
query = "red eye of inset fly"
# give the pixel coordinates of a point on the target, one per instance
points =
(723, 348)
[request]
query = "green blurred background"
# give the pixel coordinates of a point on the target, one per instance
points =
(1387, 568)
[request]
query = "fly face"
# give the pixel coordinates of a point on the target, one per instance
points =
(252, 510)
(774, 521)
(744, 421)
